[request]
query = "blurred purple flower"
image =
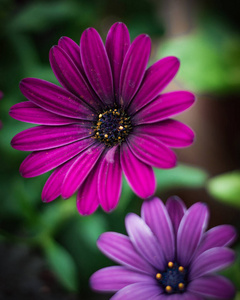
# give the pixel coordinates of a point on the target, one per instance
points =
(168, 255)
(107, 117)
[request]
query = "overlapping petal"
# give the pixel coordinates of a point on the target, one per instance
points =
(140, 176)
(117, 44)
(48, 137)
(170, 132)
(133, 68)
(144, 241)
(163, 107)
(110, 180)
(96, 65)
(55, 99)
(214, 286)
(155, 79)
(176, 209)
(40, 162)
(151, 151)
(31, 113)
(116, 278)
(70, 77)
(190, 232)
(120, 249)
(152, 212)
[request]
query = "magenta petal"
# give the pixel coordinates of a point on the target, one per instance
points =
(112, 279)
(47, 137)
(80, 169)
(41, 162)
(70, 78)
(151, 151)
(55, 99)
(87, 197)
(155, 214)
(139, 291)
(110, 180)
(156, 78)
(140, 176)
(96, 65)
(117, 44)
(214, 286)
(31, 113)
(190, 232)
(133, 68)
(219, 236)
(170, 132)
(164, 106)
(176, 209)
(119, 248)
(73, 51)
(53, 186)
(144, 241)
(210, 261)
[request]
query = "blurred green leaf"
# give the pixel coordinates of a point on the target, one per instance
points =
(226, 187)
(181, 176)
(210, 58)
(62, 264)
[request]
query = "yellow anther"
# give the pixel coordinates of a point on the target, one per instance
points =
(170, 264)
(180, 268)
(168, 289)
(181, 286)
(120, 127)
(97, 133)
(119, 138)
(100, 116)
(158, 276)
(105, 135)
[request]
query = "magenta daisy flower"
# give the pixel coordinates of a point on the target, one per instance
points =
(107, 118)
(168, 255)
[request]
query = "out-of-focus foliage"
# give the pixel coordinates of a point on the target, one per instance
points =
(210, 57)
(226, 188)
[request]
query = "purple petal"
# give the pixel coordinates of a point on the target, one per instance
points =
(31, 113)
(112, 279)
(110, 180)
(163, 107)
(218, 236)
(151, 151)
(176, 209)
(190, 231)
(156, 217)
(213, 286)
(47, 137)
(156, 78)
(139, 291)
(80, 169)
(170, 132)
(55, 99)
(53, 186)
(73, 51)
(70, 78)
(140, 176)
(210, 261)
(117, 44)
(41, 162)
(133, 68)
(119, 248)
(183, 296)
(96, 65)
(145, 241)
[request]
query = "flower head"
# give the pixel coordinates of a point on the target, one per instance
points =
(107, 117)
(168, 255)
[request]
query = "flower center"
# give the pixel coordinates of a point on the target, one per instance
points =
(173, 279)
(112, 127)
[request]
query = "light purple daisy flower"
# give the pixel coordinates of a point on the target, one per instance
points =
(107, 117)
(168, 255)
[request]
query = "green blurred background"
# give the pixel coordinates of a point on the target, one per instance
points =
(48, 251)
